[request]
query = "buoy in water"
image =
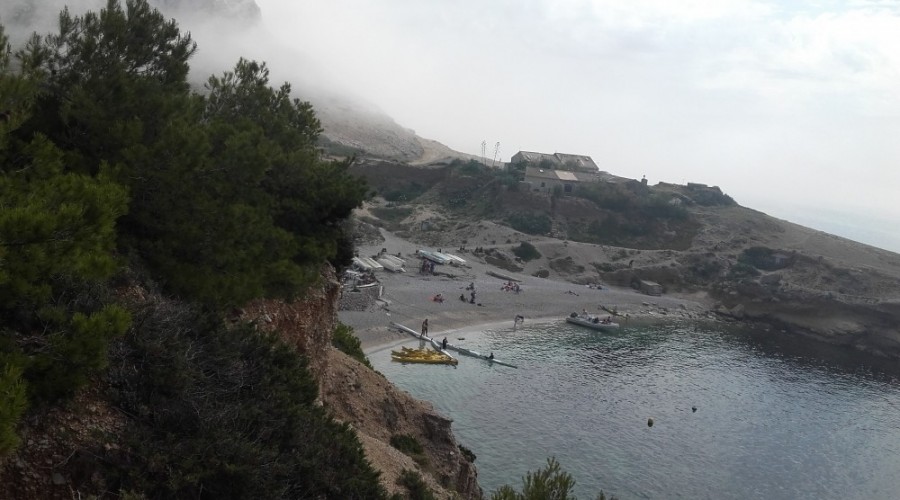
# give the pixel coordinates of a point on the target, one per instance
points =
(649, 422)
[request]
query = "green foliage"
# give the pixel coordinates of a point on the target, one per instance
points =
(566, 265)
(108, 78)
(526, 251)
(348, 343)
(407, 444)
(530, 224)
(75, 352)
(224, 412)
(549, 483)
(392, 214)
(471, 167)
(13, 401)
(762, 258)
(404, 192)
(603, 267)
(414, 484)
(333, 148)
(711, 197)
(742, 270)
(613, 197)
(660, 206)
(229, 197)
(467, 453)
(57, 237)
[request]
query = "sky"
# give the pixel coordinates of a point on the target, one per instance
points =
(792, 108)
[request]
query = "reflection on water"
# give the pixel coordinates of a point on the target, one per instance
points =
(776, 417)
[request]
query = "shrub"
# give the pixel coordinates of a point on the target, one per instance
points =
(225, 412)
(407, 444)
(743, 270)
(344, 340)
(392, 214)
(762, 258)
(550, 483)
(417, 488)
(530, 224)
(526, 251)
(404, 193)
(467, 453)
(12, 403)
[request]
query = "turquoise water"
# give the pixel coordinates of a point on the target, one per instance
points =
(775, 418)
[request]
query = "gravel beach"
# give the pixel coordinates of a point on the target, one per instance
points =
(407, 298)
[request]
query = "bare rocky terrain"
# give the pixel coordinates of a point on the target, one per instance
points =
(747, 265)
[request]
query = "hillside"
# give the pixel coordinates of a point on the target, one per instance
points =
(753, 267)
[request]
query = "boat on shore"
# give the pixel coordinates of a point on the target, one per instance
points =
(435, 257)
(392, 263)
(367, 264)
(592, 322)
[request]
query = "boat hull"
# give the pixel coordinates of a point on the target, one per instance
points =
(589, 323)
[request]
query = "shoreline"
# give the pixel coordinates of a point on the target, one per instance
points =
(407, 299)
(378, 345)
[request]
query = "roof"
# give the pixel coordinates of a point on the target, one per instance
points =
(556, 175)
(582, 163)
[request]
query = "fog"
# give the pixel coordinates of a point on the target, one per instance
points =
(791, 108)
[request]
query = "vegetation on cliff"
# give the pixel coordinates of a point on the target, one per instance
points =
(115, 174)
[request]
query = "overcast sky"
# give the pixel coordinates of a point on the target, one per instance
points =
(792, 108)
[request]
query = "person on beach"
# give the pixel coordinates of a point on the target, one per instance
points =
(425, 327)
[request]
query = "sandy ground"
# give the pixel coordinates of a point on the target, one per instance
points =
(407, 299)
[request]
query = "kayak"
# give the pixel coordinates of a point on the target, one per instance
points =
(407, 355)
(439, 346)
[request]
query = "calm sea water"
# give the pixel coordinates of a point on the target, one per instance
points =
(775, 419)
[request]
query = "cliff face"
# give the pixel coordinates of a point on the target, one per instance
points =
(377, 411)
(306, 324)
(62, 447)
(357, 395)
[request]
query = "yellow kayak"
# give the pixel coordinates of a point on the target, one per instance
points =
(407, 355)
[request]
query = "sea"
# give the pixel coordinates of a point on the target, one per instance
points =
(737, 413)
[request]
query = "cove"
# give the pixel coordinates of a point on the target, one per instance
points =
(776, 417)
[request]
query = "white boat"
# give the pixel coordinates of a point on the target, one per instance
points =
(367, 264)
(593, 322)
(435, 257)
(374, 264)
(391, 263)
(453, 260)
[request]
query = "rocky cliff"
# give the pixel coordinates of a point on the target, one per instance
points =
(357, 395)
(80, 447)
